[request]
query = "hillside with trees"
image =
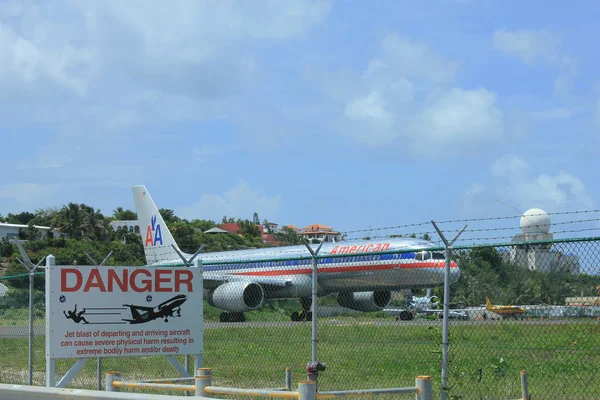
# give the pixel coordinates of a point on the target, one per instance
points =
(82, 229)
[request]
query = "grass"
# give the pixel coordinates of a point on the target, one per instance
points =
(485, 359)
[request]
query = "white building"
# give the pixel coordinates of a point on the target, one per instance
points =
(535, 226)
(12, 231)
(132, 226)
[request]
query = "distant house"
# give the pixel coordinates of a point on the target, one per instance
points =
(321, 233)
(292, 227)
(132, 226)
(271, 226)
(266, 237)
(231, 227)
(12, 231)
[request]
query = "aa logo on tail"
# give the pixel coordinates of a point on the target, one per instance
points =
(153, 233)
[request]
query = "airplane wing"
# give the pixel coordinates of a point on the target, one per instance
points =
(142, 308)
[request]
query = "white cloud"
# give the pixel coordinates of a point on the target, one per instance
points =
(416, 60)
(29, 195)
(242, 201)
(509, 166)
(33, 68)
(207, 153)
(531, 46)
(539, 48)
(196, 49)
(552, 114)
(597, 112)
(513, 183)
(459, 118)
(405, 97)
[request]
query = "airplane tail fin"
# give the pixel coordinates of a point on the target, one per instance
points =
(156, 237)
(488, 303)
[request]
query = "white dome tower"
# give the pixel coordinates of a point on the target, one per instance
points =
(535, 221)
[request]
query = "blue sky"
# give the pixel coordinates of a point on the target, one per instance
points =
(350, 114)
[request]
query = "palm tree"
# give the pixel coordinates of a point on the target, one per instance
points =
(69, 220)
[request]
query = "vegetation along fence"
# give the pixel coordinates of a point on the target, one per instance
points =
(542, 316)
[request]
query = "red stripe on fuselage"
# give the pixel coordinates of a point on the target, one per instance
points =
(350, 268)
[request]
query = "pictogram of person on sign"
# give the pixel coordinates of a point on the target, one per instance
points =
(76, 316)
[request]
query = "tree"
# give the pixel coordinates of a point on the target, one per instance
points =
(169, 216)
(22, 218)
(255, 219)
(69, 220)
(119, 214)
(6, 248)
(45, 216)
(288, 236)
(30, 233)
(247, 227)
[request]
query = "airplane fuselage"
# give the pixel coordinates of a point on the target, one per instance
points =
(345, 266)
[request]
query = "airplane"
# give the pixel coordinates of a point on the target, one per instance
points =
(361, 273)
(503, 310)
(143, 314)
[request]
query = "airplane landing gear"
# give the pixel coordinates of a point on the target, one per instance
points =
(232, 317)
(305, 314)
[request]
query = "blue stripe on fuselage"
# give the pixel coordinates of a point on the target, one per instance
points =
(305, 261)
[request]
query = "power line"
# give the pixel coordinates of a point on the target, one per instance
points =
(480, 219)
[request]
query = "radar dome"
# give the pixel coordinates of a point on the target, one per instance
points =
(534, 221)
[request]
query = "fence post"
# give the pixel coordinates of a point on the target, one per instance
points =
(110, 378)
(307, 390)
(448, 252)
(424, 388)
(524, 389)
(202, 379)
(314, 255)
(288, 379)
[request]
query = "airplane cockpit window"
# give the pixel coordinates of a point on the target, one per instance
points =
(438, 256)
(423, 255)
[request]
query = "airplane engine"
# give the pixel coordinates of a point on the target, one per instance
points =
(237, 296)
(364, 301)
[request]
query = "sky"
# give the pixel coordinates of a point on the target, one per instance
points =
(355, 115)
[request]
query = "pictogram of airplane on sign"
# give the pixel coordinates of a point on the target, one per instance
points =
(167, 309)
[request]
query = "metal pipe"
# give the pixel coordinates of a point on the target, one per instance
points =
(307, 390)
(202, 380)
(157, 386)
(365, 392)
(425, 388)
(448, 251)
(314, 309)
(111, 378)
(250, 392)
(288, 379)
(445, 324)
(524, 389)
(30, 362)
(99, 373)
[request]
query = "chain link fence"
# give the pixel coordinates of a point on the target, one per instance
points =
(542, 316)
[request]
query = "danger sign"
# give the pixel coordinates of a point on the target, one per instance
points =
(123, 311)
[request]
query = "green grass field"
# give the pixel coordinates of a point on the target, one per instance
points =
(485, 360)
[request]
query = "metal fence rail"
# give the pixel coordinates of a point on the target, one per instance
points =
(551, 329)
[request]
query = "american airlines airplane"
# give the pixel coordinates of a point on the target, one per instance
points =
(362, 273)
